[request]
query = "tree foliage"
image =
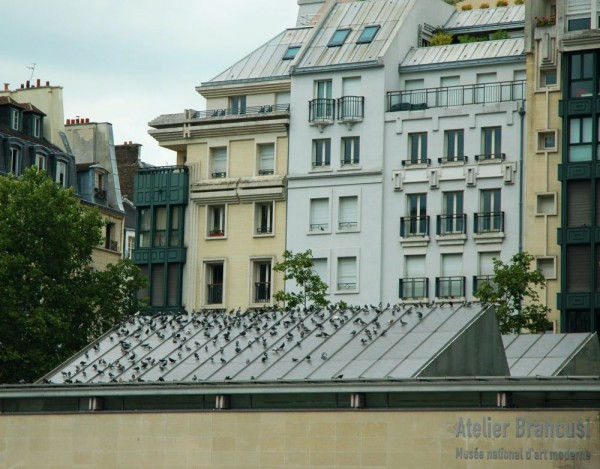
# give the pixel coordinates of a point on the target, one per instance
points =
(299, 267)
(52, 303)
(513, 294)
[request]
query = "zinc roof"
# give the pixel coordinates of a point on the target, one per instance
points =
(486, 18)
(359, 343)
(457, 53)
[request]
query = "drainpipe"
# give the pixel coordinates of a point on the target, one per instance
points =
(521, 152)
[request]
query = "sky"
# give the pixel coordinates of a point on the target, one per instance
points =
(128, 61)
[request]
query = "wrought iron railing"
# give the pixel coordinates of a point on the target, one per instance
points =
(247, 111)
(451, 224)
(346, 286)
(414, 226)
(214, 294)
(479, 280)
(450, 287)
(319, 226)
(453, 159)
(347, 225)
(321, 164)
(321, 110)
(218, 174)
(351, 108)
(449, 96)
(413, 288)
(265, 172)
(414, 161)
(491, 157)
(488, 222)
(262, 292)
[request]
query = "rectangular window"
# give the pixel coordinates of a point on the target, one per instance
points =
(266, 159)
(218, 162)
(578, 268)
(216, 221)
(109, 241)
(452, 221)
(454, 145)
(579, 24)
(175, 238)
(214, 283)
(489, 218)
(40, 161)
(417, 147)
(262, 281)
(491, 142)
(160, 227)
(15, 161)
(547, 141)
(485, 269)
(144, 227)
(348, 213)
(451, 283)
(291, 52)
(548, 77)
(263, 218)
(99, 180)
(37, 127)
(158, 282)
(319, 215)
(579, 204)
(368, 34)
(321, 153)
(237, 104)
(323, 89)
(487, 89)
(350, 150)
(414, 284)
(580, 139)
(16, 120)
(320, 268)
(339, 37)
(546, 265)
(61, 173)
(347, 278)
(416, 222)
(581, 74)
(130, 246)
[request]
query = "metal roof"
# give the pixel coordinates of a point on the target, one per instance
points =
(359, 343)
(552, 354)
(355, 16)
(487, 18)
(424, 57)
(266, 61)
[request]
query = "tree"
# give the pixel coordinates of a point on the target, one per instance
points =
(299, 267)
(512, 292)
(52, 303)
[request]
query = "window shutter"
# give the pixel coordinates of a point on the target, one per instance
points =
(486, 263)
(578, 7)
(173, 283)
(579, 203)
(158, 292)
(347, 270)
(219, 163)
(451, 265)
(351, 87)
(348, 209)
(320, 268)
(578, 268)
(266, 157)
(319, 211)
(415, 267)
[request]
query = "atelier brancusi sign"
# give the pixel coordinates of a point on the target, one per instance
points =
(528, 439)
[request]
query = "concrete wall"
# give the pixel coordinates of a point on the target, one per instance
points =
(384, 439)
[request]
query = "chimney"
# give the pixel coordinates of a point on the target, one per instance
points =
(307, 11)
(27, 84)
(6, 85)
(47, 83)
(87, 120)
(22, 86)
(38, 82)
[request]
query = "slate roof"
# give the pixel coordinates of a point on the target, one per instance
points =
(486, 19)
(27, 107)
(360, 343)
(4, 130)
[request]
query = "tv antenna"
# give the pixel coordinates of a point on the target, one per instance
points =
(32, 68)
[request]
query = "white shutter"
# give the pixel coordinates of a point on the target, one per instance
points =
(351, 87)
(319, 211)
(415, 267)
(282, 98)
(452, 265)
(219, 162)
(346, 270)
(320, 268)
(487, 77)
(348, 209)
(450, 81)
(577, 7)
(266, 156)
(410, 85)
(486, 263)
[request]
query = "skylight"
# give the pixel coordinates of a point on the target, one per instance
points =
(339, 37)
(368, 34)
(291, 52)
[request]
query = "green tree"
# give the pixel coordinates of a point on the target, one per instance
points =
(512, 292)
(52, 303)
(299, 267)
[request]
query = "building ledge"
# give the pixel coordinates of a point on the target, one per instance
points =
(489, 238)
(451, 239)
(415, 241)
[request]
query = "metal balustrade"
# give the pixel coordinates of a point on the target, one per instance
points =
(262, 292)
(319, 226)
(413, 288)
(321, 110)
(351, 108)
(243, 111)
(450, 287)
(414, 226)
(491, 157)
(411, 162)
(488, 222)
(453, 159)
(214, 294)
(479, 280)
(451, 224)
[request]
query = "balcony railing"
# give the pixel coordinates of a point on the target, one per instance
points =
(491, 157)
(414, 226)
(214, 293)
(218, 174)
(346, 286)
(244, 111)
(414, 161)
(351, 108)
(479, 280)
(453, 159)
(321, 110)
(413, 288)
(321, 164)
(314, 227)
(451, 224)
(456, 95)
(488, 222)
(262, 292)
(349, 161)
(265, 172)
(347, 225)
(450, 287)
(264, 230)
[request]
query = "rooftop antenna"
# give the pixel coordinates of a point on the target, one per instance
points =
(32, 68)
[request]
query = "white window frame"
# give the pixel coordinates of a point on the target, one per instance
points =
(354, 142)
(324, 165)
(344, 291)
(37, 126)
(39, 157)
(258, 146)
(254, 263)
(211, 156)
(545, 258)
(15, 161)
(209, 227)
(16, 120)
(554, 210)
(310, 220)
(256, 224)
(541, 135)
(355, 229)
(61, 165)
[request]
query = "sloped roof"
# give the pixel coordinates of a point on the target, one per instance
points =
(368, 343)
(552, 354)
(266, 61)
(27, 107)
(455, 54)
(486, 18)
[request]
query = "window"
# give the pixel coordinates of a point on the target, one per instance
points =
(321, 153)
(417, 147)
(453, 219)
(579, 24)
(109, 241)
(237, 104)
(581, 75)
(547, 141)
(15, 161)
(414, 284)
(578, 268)
(263, 218)
(99, 180)
(266, 159)
(491, 142)
(416, 222)
(579, 204)
(214, 283)
(262, 281)
(545, 204)
(175, 237)
(485, 270)
(418, 96)
(218, 162)
(130, 246)
(322, 107)
(451, 283)
(37, 126)
(16, 120)
(320, 268)
(454, 145)
(548, 77)
(216, 221)
(580, 139)
(319, 215)
(291, 52)
(323, 89)
(368, 34)
(40, 161)
(348, 213)
(350, 150)
(339, 37)
(547, 266)
(489, 218)
(144, 227)
(157, 285)
(346, 274)
(160, 227)
(61, 173)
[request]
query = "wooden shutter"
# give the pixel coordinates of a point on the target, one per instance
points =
(578, 268)
(348, 209)
(578, 203)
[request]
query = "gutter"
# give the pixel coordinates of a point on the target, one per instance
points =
(462, 64)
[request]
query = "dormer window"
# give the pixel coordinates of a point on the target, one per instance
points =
(37, 127)
(40, 161)
(368, 34)
(339, 37)
(16, 120)
(291, 52)
(15, 163)
(61, 173)
(99, 180)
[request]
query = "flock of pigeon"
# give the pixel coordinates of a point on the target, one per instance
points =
(355, 343)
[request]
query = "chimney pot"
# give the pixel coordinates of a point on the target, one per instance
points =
(87, 120)
(27, 84)
(47, 83)
(22, 86)
(6, 85)
(38, 82)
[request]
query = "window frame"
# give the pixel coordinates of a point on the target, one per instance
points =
(62, 164)
(255, 263)
(159, 234)
(495, 141)
(218, 174)
(363, 38)
(324, 230)
(258, 218)
(420, 156)
(208, 264)
(15, 122)
(178, 231)
(350, 229)
(236, 105)
(325, 153)
(37, 126)
(14, 161)
(458, 137)
(211, 229)
(291, 56)
(581, 78)
(580, 143)
(142, 229)
(349, 290)
(333, 42)
(44, 159)
(354, 153)
(260, 171)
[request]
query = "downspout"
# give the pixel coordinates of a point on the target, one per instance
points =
(521, 164)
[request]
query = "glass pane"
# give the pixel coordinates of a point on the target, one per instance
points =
(588, 65)
(145, 219)
(575, 131)
(580, 153)
(586, 133)
(581, 89)
(579, 24)
(160, 221)
(575, 66)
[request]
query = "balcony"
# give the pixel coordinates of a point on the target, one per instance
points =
(214, 294)
(266, 172)
(455, 96)
(321, 111)
(479, 280)
(416, 162)
(412, 227)
(451, 224)
(347, 226)
(319, 227)
(488, 222)
(262, 292)
(265, 109)
(413, 288)
(490, 158)
(448, 160)
(450, 287)
(350, 109)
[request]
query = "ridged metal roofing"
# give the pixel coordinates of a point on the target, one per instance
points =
(359, 343)
(486, 17)
(266, 61)
(355, 16)
(456, 53)
(545, 354)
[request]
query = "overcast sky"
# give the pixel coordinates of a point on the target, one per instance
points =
(127, 61)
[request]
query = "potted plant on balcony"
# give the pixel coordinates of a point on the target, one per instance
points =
(216, 233)
(541, 21)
